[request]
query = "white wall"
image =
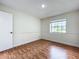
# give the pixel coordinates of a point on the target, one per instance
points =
(26, 28)
(72, 35)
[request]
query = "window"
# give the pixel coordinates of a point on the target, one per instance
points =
(58, 26)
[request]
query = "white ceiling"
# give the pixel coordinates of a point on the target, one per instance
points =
(33, 7)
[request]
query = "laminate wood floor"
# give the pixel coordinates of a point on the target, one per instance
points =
(41, 49)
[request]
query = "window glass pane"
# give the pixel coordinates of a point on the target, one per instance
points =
(55, 29)
(59, 29)
(59, 23)
(64, 23)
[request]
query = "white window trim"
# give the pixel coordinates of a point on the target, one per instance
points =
(60, 20)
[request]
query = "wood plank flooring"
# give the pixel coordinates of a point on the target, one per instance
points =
(41, 49)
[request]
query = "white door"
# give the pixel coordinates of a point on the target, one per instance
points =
(5, 31)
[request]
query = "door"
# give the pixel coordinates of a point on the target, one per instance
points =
(5, 31)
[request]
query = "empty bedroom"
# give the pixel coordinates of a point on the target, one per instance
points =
(39, 29)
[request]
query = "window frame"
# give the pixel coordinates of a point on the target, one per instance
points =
(54, 21)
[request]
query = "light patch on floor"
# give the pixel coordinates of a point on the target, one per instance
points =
(58, 53)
